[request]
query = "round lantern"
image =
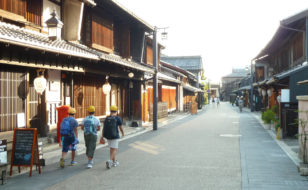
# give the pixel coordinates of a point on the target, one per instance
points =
(40, 84)
(269, 92)
(106, 88)
(263, 92)
(131, 75)
(259, 90)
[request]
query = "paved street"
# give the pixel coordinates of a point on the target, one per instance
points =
(219, 148)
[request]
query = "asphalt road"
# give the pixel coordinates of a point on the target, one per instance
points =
(198, 152)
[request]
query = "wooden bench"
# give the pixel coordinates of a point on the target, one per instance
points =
(3, 168)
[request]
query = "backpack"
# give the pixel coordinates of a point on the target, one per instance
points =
(110, 128)
(65, 128)
(89, 127)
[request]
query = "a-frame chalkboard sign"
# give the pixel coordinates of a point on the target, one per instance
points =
(25, 150)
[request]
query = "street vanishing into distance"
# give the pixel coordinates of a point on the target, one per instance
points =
(219, 148)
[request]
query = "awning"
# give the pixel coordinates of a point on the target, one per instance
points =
(118, 60)
(162, 76)
(191, 88)
(271, 81)
(248, 87)
(291, 71)
(302, 82)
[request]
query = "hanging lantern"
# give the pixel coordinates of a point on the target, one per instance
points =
(106, 87)
(263, 92)
(269, 92)
(131, 84)
(40, 82)
(259, 90)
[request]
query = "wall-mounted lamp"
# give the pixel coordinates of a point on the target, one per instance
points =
(40, 82)
(106, 87)
(54, 27)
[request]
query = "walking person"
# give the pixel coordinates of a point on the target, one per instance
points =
(90, 125)
(69, 136)
(110, 131)
(241, 103)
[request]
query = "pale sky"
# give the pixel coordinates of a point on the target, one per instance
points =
(226, 33)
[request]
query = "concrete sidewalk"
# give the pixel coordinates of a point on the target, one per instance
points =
(289, 145)
(264, 164)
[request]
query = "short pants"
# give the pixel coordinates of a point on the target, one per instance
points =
(67, 143)
(113, 143)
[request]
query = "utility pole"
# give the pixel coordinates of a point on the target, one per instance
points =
(155, 85)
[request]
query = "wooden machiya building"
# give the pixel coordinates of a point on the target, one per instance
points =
(279, 66)
(96, 42)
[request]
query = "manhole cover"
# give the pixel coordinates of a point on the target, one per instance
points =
(230, 135)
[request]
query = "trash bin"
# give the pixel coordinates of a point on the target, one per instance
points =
(62, 113)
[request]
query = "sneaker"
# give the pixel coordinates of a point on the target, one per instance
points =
(62, 162)
(108, 164)
(90, 164)
(73, 163)
(115, 163)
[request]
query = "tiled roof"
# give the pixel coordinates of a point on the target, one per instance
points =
(191, 88)
(185, 62)
(24, 37)
(127, 63)
(20, 36)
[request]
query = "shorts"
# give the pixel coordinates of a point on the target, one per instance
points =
(113, 143)
(67, 143)
(90, 141)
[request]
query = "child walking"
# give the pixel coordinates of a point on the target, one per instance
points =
(110, 131)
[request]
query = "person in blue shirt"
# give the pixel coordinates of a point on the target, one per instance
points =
(70, 139)
(90, 125)
(114, 142)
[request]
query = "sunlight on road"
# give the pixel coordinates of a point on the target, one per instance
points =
(146, 147)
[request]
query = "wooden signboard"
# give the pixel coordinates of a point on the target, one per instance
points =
(25, 150)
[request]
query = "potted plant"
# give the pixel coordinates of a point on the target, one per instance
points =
(278, 129)
(268, 117)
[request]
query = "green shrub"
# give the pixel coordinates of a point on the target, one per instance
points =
(275, 109)
(268, 116)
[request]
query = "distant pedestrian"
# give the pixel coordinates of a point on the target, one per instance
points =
(69, 136)
(241, 103)
(110, 131)
(90, 125)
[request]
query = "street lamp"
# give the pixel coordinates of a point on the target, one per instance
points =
(155, 65)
